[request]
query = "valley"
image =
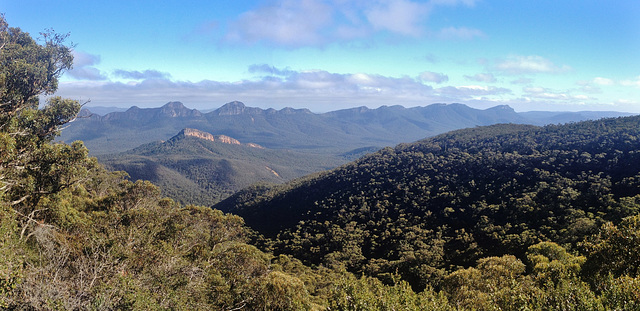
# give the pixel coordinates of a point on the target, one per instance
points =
(147, 142)
(196, 167)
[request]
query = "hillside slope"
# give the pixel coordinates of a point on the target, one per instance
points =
(196, 167)
(446, 201)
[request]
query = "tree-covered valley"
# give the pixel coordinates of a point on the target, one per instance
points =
(502, 217)
(144, 142)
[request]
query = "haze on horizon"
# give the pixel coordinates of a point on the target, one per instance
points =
(333, 54)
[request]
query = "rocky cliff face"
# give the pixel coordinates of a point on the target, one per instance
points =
(189, 132)
(252, 145)
(197, 134)
(227, 140)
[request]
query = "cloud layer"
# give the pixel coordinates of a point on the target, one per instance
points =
(84, 67)
(141, 75)
(517, 64)
(318, 90)
(295, 24)
(276, 87)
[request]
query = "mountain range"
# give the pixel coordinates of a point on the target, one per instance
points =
(201, 158)
(297, 129)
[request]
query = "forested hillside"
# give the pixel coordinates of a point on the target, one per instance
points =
(298, 142)
(427, 208)
(195, 170)
(74, 236)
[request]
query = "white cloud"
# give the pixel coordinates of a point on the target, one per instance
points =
(398, 16)
(635, 83)
(454, 2)
(434, 77)
(603, 81)
(482, 77)
(471, 91)
(141, 75)
(546, 93)
(593, 86)
(534, 89)
(588, 88)
(295, 24)
(87, 73)
(528, 64)
(321, 91)
(82, 59)
(287, 22)
(317, 89)
(581, 97)
(83, 67)
(627, 102)
(268, 69)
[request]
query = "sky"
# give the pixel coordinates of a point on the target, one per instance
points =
(324, 55)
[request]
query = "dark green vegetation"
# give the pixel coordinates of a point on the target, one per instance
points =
(431, 207)
(196, 170)
(74, 236)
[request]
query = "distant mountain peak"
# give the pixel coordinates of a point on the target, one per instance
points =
(168, 110)
(289, 110)
(177, 109)
(502, 107)
(238, 108)
(231, 108)
(174, 105)
(84, 113)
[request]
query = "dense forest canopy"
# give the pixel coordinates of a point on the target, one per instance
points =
(427, 208)
(426, 226)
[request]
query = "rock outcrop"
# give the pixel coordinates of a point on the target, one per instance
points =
(197, 134)
(189, 132)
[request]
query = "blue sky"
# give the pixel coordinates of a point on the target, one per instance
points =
(331, 54)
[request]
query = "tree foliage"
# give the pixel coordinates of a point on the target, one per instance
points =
(484, 219)
(427, 208)
(74, 236)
